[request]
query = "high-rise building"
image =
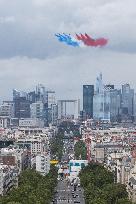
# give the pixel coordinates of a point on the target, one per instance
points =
(21, 107)
(42, 97)
(51, 98)
(47, 98)
(7, 109)
(88, 94)
(37, 110)
(21, 104)
(41, 101)
(115, 105)
(127, 102)
(101, 102)
(53, 116)
(31, 96)
(16, 94)
(41, 94)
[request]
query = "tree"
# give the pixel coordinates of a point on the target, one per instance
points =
(56, 146)
(12, 202)
(99, 186)
(33, 188)
(80, 150)
(113, 192)
(124, 201)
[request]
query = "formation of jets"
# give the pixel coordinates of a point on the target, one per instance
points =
(81, 39)
(89, 41)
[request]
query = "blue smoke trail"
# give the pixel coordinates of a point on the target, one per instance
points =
(61, 38)
(67, 39)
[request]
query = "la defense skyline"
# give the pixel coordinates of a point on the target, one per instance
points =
(100, 102)
(106, 102)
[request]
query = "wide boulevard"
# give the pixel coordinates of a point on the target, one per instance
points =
(65, 194)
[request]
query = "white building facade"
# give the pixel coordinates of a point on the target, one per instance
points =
(43, 163)
(31, 122)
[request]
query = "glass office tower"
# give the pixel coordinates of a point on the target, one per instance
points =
(88, 93)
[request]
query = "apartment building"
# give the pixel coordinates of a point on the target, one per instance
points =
(43, 163)
(8, 178)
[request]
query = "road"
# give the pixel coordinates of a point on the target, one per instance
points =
(64, 191)
(68, 149)
(66, 194)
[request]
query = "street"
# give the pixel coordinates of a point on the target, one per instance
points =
(65, 194)
(65, 191)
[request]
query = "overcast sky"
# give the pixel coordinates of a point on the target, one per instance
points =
(30, 53)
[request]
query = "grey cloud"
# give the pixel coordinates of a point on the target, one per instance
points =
(66, 74)
(36, 21)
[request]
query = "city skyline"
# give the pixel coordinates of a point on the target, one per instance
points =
(29, 53)
(98, 100)
(78, 95)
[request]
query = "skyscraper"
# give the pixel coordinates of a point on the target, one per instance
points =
(47, 98)
(115, 105)
(127, 102)
(21, 107)
(37, 110)
(21, 104)
(88, 93)
(101, 101)
(31, 96)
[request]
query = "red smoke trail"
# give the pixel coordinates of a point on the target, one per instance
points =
(87, 40)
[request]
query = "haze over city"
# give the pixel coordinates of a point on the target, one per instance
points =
(30, 53)
(67, 101)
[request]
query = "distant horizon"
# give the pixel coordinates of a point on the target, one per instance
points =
(30, 53)
(67, 96)
(70, 107)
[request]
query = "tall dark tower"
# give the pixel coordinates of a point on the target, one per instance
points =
(21, 105)
(88, 93)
